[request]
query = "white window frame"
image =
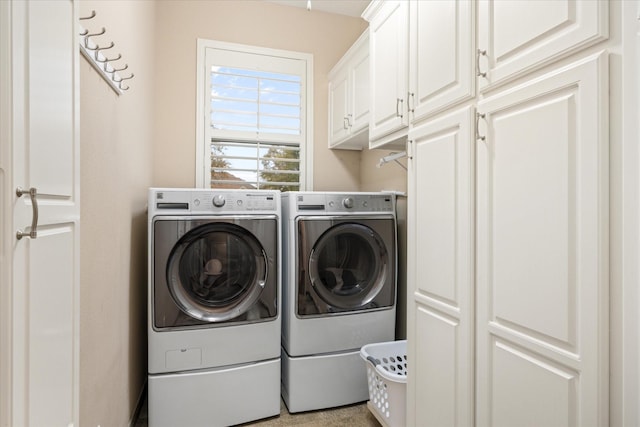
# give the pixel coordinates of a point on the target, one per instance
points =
(203, 150)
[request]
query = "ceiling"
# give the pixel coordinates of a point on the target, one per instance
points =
(341, 7)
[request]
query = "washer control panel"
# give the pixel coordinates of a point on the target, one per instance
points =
(212, 201)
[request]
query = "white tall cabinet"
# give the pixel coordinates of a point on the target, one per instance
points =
(542, 251)
(39, 262)
(508, 213)
(440, 276)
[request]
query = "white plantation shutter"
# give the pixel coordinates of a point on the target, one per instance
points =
(255, 117)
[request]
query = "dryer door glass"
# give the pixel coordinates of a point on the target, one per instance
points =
(216, 272)
(348, 266)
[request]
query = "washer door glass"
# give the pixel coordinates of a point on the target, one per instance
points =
(348, 265)
(216, 272)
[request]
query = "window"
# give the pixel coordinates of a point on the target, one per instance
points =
(254, 109)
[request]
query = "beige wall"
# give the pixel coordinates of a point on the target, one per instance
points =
(258, 23)
(116, 169)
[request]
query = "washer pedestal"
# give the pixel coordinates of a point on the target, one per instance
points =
(323, 381)
(215, 397)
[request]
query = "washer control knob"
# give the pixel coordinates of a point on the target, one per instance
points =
(347, 202)
(218, 200)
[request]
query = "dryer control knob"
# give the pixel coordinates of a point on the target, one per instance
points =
(218, 200)
(347, 202)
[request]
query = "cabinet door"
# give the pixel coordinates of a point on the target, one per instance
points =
(440, 328)
(389, 51)
(441, 52)
(338, 101)
(359, 82)
(516, 37)
(542, 251)
(40, 40)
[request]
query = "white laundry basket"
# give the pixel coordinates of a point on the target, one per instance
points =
(387, 380)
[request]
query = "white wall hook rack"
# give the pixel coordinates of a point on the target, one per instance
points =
(105, 65)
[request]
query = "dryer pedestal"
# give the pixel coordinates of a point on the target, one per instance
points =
(216, 397)
(323, 381)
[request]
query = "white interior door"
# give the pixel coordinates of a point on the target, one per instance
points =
(440, 277)
(40, 349)
(542, 251)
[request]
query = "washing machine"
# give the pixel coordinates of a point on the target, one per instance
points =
(213, 306)
(339, 293)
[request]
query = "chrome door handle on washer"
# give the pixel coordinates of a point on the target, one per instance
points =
(33, 233)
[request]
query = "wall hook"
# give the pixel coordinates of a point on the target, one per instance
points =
(88, 36)
(124, 78)
(93, 15)
(106, 61)
(120, 69)
(94, 53)
(97, 50)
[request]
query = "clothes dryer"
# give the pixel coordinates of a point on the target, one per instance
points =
(213, 306)
(339, 293)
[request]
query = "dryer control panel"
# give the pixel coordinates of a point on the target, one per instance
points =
(344, 202)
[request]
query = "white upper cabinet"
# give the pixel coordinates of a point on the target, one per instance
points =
(349, 98)
(441, 48)
(516, 37)
(415, 75)
(389, 40)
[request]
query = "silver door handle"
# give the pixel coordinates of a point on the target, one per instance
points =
(33, 233)
(398, 109)
(411, 102)
(479, 53)
(478, 136)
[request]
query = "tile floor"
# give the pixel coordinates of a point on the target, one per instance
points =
(357, 415)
